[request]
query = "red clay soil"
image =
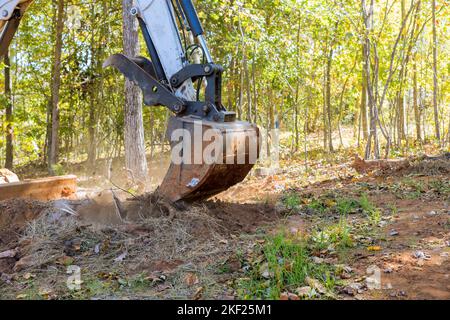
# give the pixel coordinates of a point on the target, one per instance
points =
(422, 228)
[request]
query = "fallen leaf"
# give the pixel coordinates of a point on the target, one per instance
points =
(191, 279)
(316, 285)
(198, 293)
(121, 257)
(21, 296)
(28, 276)
(374, 248)
(46, 293)
(65, 261)
(330, 203)
(24, 263)
(304, 291)
(8, 254)
(284, 296)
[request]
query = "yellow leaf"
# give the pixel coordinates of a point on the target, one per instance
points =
(191, 279)
(374, 248)
(21, 296)
(28, 276)
(330, 203)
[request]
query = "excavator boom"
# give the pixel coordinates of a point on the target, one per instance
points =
(11, 13)
(211, 149)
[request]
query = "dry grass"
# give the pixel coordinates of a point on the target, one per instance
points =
(160, 234)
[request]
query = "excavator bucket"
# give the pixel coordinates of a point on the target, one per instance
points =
(209, 158)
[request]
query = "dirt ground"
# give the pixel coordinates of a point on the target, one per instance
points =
(144, 248)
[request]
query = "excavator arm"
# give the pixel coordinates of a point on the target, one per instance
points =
(11, 13)
(217, 151)
(172, 31)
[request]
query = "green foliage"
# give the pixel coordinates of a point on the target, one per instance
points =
(336, 236)
(275, 61)
(292, 201)
(285, 266)
(370, 210)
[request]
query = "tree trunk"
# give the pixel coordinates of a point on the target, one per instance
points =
(9, 115)
(328, 101)
(93, 92)
(416, 101)
(401, 134)
(364, 114)
(435, 75)
(372, 142)
(55, 86)
(135, 157)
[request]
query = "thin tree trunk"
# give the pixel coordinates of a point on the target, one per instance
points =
(135, 157)
(401, 134)
(93, 92)
(328, 100)
(9, 115)
(416, 102)
(364, 116)
(435, 75)
(297, 90)
(55, 87)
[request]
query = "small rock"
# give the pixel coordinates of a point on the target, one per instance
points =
(421, 255)
(348, 291)
(318, 260)
(284, 296)
(265, 273)
(352, 289)
(402, 294)
(7, 278)
(394, 233)
(121, 257)
(289, 296)
(432, 213)
(348, 269)
(8, 254)
(303, 291)
(382, 224)
(388, 270)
